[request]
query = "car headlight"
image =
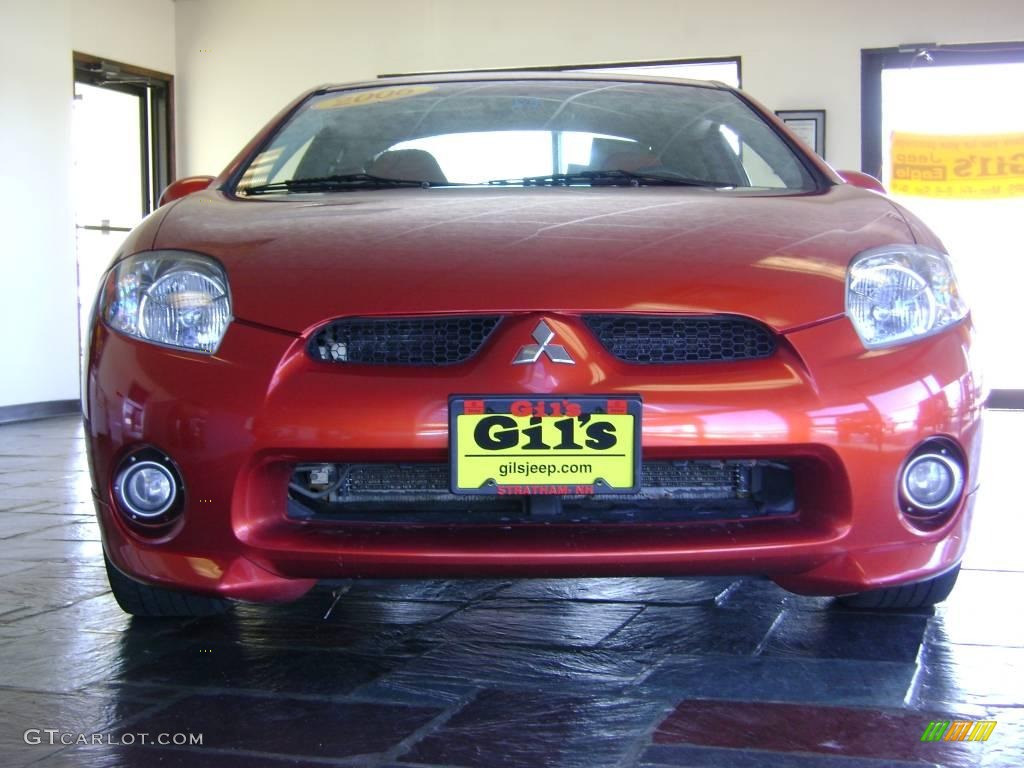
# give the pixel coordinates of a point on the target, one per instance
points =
(898, 293)
(172, 298)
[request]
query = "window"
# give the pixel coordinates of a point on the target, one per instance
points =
(468, 132)
(759, 171)
(485, 155)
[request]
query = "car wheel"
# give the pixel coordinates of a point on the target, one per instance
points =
(921, 594)
(155, 602)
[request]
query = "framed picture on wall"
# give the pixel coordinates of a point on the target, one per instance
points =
(808, 124)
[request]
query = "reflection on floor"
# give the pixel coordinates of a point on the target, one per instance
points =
(617, 672)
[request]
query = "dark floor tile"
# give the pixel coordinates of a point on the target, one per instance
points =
(400, 612)
(16, 523)
(10, 613)
(63, 660)
(154, 694)
(70, 529)
(756, 594)
(515, 729)
(449, 590)
(145, 757)
(292, 726)
(651, 591)
(25, 714)
(312, 622)
(417, 690)
(703, 629)
(41, 550)
(58, 583)
(971, 674)
(345, 607)
(7, 567)
(62, 475)
(31, 453)
(251, 628)
(15, 507)
(261, 668)
(688, 756)
(889, 735)
(510, 666)
(60, 494)
(759, 678)
(82, 510)
(96, 614)
(847, 635)
(569, 624)
(136, 638)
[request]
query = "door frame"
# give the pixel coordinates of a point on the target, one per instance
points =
(156, 113)
(874, 60)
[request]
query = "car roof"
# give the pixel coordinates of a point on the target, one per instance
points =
(539, 76)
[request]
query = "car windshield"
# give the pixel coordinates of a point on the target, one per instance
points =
(524, 132)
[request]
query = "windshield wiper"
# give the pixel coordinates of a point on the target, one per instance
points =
(613, 177)
(337, 182)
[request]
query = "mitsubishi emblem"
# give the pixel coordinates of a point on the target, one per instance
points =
(543, 335)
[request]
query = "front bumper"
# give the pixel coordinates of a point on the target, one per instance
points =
(237, 423)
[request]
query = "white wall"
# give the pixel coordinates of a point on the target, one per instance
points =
(239, 61)
(38, 314)
(139, 32)
(38, 283)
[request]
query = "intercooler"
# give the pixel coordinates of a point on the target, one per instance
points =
(418, 493)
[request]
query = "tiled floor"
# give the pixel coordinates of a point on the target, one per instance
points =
(617, 672)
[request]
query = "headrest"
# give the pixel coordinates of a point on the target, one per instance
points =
(408, 165)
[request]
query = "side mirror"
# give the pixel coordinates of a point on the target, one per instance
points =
(185, 186)
(862, 180)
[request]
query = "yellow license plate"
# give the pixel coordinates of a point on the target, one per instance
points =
(545, 445)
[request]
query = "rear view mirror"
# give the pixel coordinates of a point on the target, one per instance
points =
(862, 180)
(185, 186)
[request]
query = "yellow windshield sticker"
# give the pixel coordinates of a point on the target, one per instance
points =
(958, 167)
(373, 96)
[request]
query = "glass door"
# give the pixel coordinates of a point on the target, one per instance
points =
(107, 182)
(953, 117)
(121, 155)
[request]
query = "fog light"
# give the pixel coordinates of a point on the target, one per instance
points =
(146, 489)
(932, 481)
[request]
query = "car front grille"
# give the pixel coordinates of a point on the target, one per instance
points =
(667, 339)
(671, 491)
(638, 339)
(402, 340)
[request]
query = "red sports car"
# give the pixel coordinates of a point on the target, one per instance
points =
(528, 324)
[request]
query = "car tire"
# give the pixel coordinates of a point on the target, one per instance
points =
(155, 602)
(922, 594)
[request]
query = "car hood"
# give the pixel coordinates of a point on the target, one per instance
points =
(294, 262)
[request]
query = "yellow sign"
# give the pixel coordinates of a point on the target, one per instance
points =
(564, 455)
(958, 167)
(373, 96)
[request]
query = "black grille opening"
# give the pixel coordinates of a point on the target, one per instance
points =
(402, 340)
(655, 339)
(671, 491)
